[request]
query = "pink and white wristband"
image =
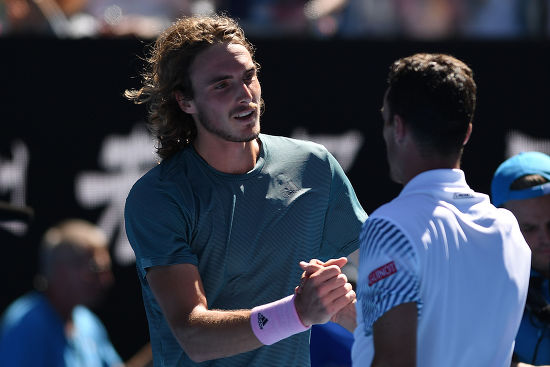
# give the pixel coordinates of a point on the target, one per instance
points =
(276, 321)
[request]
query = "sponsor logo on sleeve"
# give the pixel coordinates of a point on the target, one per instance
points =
(382, 272)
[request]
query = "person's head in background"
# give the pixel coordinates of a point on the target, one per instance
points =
(521, 184)
(428, 110)
(75, 265)
(40, 17)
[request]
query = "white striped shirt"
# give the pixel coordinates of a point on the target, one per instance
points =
(394, 278)
(461, 260)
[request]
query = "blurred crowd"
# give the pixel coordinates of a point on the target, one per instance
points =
(415, 19)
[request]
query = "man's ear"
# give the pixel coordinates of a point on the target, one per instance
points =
(187, 105)
(399, 129)
(468, 133)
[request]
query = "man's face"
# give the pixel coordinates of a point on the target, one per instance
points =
(90, 276)
(533, 216)
(226, 94)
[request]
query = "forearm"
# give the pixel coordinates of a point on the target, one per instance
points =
(233, 332)
(212, 334)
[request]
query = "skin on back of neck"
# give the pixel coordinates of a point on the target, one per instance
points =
(414, 162)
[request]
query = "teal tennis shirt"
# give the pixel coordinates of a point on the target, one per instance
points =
(245, 233)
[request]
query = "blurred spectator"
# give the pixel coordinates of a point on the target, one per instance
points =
(415, 19)
(53, 326)
(143, 18)
(60, 18)
(506, 18)
(368, 18)
(92, 18)
(268, 18)
(430, 19)
(323, 15)
(410, 19)
(521, 184)
(493, 18)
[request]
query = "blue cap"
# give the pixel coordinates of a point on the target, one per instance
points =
(522, 164)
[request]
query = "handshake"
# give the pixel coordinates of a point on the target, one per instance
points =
(325, 294)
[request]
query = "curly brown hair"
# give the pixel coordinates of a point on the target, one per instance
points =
(167, 71)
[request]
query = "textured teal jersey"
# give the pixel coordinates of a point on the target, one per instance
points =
(245, 233)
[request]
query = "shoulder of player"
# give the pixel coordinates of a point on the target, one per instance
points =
(294, 147)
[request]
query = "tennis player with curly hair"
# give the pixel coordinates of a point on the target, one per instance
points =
(239, 236)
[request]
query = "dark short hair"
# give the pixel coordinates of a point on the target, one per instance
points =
(435, 94)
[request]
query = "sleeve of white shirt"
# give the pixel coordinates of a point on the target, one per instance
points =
(388, 271)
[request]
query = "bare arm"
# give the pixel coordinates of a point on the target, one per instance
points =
(394, 337)
(180, 294)
(179, 291)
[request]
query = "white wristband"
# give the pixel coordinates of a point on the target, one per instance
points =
(276, 321)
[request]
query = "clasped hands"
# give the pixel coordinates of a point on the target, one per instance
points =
(324, 293)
